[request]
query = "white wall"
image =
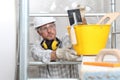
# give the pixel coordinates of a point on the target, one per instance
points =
(7, 39)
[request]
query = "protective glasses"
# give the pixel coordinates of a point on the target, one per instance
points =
(47, 26)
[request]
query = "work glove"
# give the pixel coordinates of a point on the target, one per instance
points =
(66, 54)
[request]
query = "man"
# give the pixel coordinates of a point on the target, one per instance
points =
(47, 50)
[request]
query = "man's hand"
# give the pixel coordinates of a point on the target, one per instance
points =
(53, 55)
(66, 54)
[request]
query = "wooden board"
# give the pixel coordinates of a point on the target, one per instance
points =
(105, 64)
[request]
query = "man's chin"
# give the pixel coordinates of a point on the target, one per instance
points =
(51, 38)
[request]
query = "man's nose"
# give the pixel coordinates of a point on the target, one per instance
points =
(48, 29)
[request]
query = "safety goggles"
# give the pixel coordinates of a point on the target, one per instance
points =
(47, 27)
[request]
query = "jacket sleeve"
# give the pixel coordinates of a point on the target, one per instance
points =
(39, 54)
(66, 42)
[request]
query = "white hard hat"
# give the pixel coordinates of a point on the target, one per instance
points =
(40, 21)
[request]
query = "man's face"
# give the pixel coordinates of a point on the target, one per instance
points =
(47, 31)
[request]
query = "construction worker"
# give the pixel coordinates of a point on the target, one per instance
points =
(52, 49)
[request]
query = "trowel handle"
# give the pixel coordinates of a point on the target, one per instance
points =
(110, 16)
(73, 36)
(114, 52)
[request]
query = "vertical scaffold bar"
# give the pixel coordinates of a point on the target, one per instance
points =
(23, 39)
(113, 36)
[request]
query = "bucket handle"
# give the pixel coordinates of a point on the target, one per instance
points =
(110, 16)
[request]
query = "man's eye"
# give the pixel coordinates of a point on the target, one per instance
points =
(44, 28)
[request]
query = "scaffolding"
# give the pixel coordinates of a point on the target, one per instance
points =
(23, 36)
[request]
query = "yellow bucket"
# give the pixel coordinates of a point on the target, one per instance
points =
(90, 38)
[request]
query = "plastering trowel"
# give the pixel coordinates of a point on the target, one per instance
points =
(74, 19)
(109, 17)
(74, 16)
(99, 60)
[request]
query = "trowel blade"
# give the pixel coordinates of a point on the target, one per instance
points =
(71, 17)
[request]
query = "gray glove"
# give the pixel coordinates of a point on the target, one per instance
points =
(66, 54)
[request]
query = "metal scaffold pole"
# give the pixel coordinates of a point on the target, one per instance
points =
(23, 39)
(113, 36)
